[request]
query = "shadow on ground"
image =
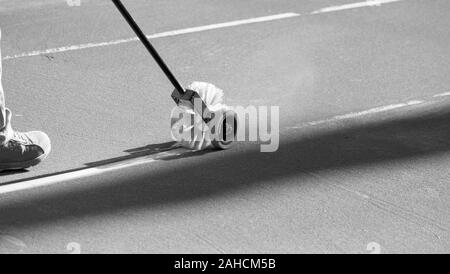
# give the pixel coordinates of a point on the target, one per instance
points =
(413, 136)
(153, 151)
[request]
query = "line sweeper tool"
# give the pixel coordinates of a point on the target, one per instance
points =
(218, 124)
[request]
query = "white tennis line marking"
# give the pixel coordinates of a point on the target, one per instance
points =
(281, 16)
(88, 172)
(157, 35)
(442, 94)
(370, 3)
(354, 115)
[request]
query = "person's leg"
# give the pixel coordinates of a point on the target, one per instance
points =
(19, 150)
(2, 94)
(5, 130)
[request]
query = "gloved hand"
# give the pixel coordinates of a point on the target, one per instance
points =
(197, 133)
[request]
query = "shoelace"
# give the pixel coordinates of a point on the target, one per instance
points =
(17, 142)
(20, 137)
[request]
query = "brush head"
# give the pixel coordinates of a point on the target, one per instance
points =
(191, 130)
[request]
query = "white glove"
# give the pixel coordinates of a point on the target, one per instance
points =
(196, 135)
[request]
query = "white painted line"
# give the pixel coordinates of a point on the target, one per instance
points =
(157, 35)
(88, 172)
(370, 3)
(442, 94)
(353, 115)
(376, 110)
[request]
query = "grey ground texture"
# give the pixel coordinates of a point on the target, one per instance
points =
(372, 183)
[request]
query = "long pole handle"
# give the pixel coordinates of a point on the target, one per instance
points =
(148, 45)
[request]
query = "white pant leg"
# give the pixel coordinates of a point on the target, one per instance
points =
(2, 95)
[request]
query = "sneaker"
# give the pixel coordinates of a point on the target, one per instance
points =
(21, 150)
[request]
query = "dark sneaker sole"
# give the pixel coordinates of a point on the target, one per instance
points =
(22, 165)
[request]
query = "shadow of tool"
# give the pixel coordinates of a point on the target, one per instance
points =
(161, 152)
(158, 151)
